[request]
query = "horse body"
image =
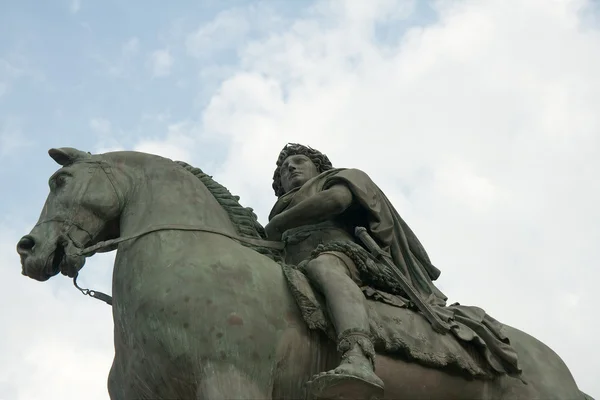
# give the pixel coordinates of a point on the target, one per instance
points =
(199, 316)
(189, 320)
(192, 318)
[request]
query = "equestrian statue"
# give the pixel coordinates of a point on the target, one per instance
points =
(333, 299)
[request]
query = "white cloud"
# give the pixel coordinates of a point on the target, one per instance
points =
(233, 29)
(106, 139)
(131, 47)
(122, 64)
(487, 120)
(460, 182)
(10, 71)
(228, 27)
(15, 67)
(11, 142)
(100, 126)
(178, 144)
(161, 62)
(157, 118)
(41, 357)
(8, 74)
(74, 6)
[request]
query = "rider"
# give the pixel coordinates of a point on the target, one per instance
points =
(317, 210)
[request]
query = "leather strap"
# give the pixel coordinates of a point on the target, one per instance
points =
(175, 227)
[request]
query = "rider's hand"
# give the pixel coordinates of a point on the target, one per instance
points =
(272, 230)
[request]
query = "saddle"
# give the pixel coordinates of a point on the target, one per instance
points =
(476, 348)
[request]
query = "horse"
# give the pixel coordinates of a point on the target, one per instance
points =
(200, 314)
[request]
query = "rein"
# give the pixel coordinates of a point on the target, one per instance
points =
(93, 293)
(110, 243)
(176, 227)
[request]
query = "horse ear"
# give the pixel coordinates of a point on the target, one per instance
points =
(67, 155)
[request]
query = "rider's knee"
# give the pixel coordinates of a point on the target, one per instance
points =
(325, 266)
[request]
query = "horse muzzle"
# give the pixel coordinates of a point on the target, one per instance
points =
(43, 262)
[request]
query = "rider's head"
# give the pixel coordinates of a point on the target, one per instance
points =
(297, 164)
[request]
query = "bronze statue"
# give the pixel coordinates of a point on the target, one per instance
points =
(323, 206)
(323, 209)
(205, 308)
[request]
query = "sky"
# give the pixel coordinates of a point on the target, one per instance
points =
(479, 119)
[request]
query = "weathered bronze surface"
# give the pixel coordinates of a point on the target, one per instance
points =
(205, 308)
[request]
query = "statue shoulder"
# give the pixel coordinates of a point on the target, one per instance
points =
(349, 175)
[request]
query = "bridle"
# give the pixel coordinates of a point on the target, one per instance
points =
(113, 243)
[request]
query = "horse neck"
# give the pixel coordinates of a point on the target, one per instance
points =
(165, 195)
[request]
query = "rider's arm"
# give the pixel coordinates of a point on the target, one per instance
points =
(318, 208)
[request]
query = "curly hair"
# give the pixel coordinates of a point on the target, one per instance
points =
(320, 160)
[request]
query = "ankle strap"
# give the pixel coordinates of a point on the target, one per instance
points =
(350, 338)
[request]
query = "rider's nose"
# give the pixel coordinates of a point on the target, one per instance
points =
(25, 245)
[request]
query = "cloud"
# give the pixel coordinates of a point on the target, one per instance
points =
(106, 139)
(9, 72)
(100, 126)
(131, 47)
(74, 6)
(157, 118)
(161, 62)
(16, 68)
(482, 127)
(226, 28)
(233, 29)
(123, 63)
(11, 142)
(40, 357)
(178, 144)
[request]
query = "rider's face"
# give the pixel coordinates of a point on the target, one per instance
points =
(296, 170)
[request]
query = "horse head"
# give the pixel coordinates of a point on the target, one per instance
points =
(82, 208)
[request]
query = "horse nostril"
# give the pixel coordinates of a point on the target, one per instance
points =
(25, 245)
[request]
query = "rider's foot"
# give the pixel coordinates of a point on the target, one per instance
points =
(354, 378)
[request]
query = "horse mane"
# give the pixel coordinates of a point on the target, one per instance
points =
(243, 218)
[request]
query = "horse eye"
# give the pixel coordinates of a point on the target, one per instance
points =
(58, 181)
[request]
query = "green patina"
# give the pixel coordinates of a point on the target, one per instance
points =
(198, 316)
(244, 218)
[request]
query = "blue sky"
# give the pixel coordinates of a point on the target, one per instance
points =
(478, 119)
(87, 74)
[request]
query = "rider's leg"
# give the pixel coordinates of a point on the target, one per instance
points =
(346, 304)
(345, 300)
